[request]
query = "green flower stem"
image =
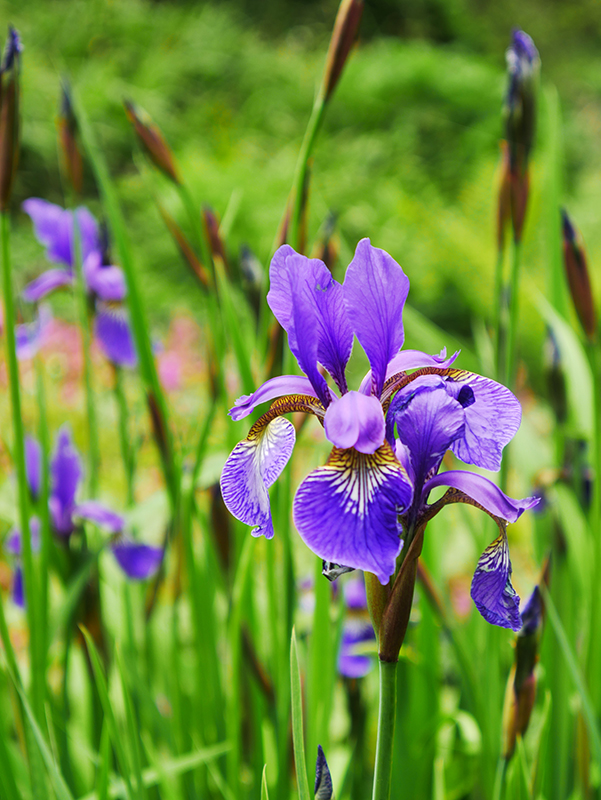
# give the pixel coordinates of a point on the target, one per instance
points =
(19, 461)
(386, 720)
(498, 309)
(124, 440)
(84, 321)
(300, 174)
(200, 234)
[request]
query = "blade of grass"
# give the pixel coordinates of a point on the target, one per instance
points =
(264, 790)
(572, 663)
(133, 728)
(297, 722)
(109, 716)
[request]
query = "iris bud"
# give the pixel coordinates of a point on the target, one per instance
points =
(67, 135)
(152, 141)
(574, 259)
(323, 779)
(9, 115)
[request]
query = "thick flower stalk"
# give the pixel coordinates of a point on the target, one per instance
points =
(105, 283)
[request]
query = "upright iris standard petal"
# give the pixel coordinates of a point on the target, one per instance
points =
(492, 418)
(101, 515)
(347, 511)
(375, 290)
(252, 467)
(138, 561)
(484, 492)
(112, 330)
(107, 282)
(33, 465)
(427, 421)
(355, 421)
(66, 472)
(491, 591)
(308, 303)
(53, 227)
(45, 283)
(274, 387)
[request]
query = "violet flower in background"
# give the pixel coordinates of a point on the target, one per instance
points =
(14, 546)
(389, 437)
(105, 283)
(138, 561)
(357, 630)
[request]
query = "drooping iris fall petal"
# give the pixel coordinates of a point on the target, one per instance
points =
(138, 561)
(252, 467)
(347, 510)
(492, 591)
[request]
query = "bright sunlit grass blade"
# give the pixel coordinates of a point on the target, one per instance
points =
(297, 722)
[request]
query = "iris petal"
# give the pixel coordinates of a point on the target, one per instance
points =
(355, 421)
(491, 591)
(375, 290)
(114, 334)
(491, 420)
(138, 561)
(274, 387)
(346, 511)
(352, 664)
(101, 515)
(427, 422)
(33, 465)
(45, 283)
(108, 282)
(53, 227)
(484, 492)
(252, 467)
(410, 359)
(66, 472)
(308, 303)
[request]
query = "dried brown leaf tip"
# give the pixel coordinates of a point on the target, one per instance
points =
(343, 37)
(152, 141)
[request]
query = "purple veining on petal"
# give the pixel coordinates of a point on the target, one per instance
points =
(353, 664)
(411, 359)
(492, 591)
(138, 561)
(99, 514)
(484, 492)
(323, 780)
(45, 283)
(346, 511)
(375, 290)
(251, 469)
(355, 421)
(107, 282)
(274, 387)
(492, 419)
(113, 332)
(33, 465)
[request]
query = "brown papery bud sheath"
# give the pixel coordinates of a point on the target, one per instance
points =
(343, 36)
(185, 249)
(67, 136)
(9, 116)
(152, 141)
(574, 259)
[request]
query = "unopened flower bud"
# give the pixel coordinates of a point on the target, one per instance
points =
(67, 134)
(574, 259)
(152, 141)
(521, 686)
(323, 779)
(211, 226)
(343, 36)
(556, 384)
(9, 115)
(523, 66)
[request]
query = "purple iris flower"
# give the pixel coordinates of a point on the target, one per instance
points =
(357, 630)
(138, 561)
(53, 227)
(389, 437)
(13, 545)
(29, 336)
